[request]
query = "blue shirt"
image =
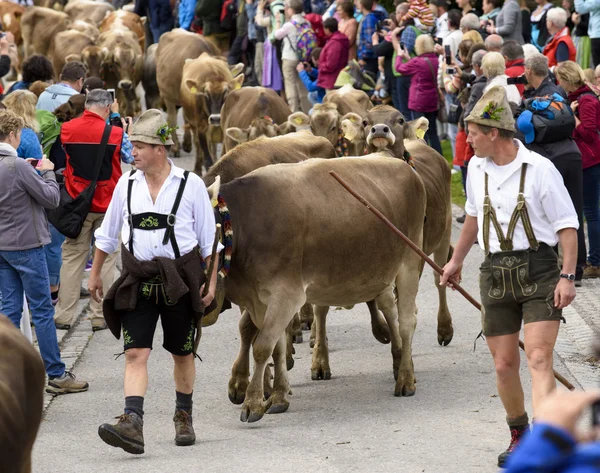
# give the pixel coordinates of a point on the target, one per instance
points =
(367, 27)
(310, 82)
(30, 146)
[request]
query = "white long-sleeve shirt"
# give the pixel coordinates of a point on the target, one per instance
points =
(194, 224)
(548, 202)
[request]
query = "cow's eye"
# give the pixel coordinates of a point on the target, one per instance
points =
(400, 121)
(334, 128)
(365, 123)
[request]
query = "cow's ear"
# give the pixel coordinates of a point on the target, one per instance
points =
(213, 190)
(237, 82)
(284, 128)
(235, 70)
(416, 129)
(237, 134)
(73, 57)
(143, 19)
(192, 86)
(299, 120)
(105, 54)
(352, 127)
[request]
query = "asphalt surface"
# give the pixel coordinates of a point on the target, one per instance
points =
(454, 423)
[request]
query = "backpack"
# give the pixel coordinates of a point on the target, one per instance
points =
(307, 41)
(316, 23)
(546, 119)
(353, 75)
(228, 15)
(49, 129)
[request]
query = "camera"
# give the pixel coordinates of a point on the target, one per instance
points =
(451, 70)
(112, 93)
(448, 54)
(516, 80)
(439, 41)
(402, 45)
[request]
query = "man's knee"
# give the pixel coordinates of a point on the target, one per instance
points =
(506, 367)
(539, 359)
(183, 360)
(137, 356)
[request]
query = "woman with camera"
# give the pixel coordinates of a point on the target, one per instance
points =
(29, 188)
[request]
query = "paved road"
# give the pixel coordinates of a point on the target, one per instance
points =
(455, 423)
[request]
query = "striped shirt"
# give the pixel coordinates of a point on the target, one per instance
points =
(421, 11)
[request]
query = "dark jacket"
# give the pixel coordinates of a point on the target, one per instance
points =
(210, 13)
(334, 57)
(566, 147)
(477, 88)
(385, 49)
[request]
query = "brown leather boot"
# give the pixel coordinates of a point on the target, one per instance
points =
(516, 432)
(184, 430)
(127, 434)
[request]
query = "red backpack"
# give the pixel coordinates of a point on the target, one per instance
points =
(316, 23)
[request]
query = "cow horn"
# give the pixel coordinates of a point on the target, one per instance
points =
(213, 190)
(235, 70)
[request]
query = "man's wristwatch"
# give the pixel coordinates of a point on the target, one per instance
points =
(570, 277)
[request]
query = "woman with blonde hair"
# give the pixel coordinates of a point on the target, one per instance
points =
(494, 68)
(22, 103)
(583, 97)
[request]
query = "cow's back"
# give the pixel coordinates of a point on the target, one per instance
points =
(22, 381)
(174, 48)
(349, 100)
(247, 157)
(293, 223)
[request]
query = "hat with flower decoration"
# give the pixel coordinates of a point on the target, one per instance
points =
(152, 128)
(493, 110)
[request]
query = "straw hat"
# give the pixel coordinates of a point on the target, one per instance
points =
(152, 128)
(493, 110)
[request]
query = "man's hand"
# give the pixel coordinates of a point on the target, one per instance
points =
(4, 46)
(127, 123)
(95, 287)
(574, 105)
(114, 108)
(300, 67)
(563, 409)
(564, 293)
(575, 18)
(45, 165)
(375, 38)
(438, 49)
(452, 273)
(209, 297)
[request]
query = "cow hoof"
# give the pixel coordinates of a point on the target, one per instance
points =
(187, 143)
(250, 416)
(381, 334)
(290, 363)
(445, 336)
(405, 389)
(324, 374)
(312, 342)
(277, 407)
(237, 392)
(305, 326)
(298, 338)
(175, 152)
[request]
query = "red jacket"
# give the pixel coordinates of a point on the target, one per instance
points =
(516, 68)
(334, 57)
(560, 37)
(80, 138)
(586, 133)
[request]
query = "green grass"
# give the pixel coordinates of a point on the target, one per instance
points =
(456, 187)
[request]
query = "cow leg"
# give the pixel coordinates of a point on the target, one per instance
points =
(208, 162)
(297, 327)
(379, 326)
(408, 285)
(290, 350)
(280, 311)
(387, 303)
(320, 361)
(187, 138)
(172, 120)
(444, 329)
(306, 316)
(277, 402)
(240, 372)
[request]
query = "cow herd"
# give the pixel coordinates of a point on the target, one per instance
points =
(301, 244)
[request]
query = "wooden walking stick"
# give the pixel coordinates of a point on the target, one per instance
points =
(211, 267)
(429, 261)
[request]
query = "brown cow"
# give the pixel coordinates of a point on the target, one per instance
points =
(73, 45)
(200, 88)
(310, 254)
(149, 78)
(86, 10)
(126, 19)
(251, 112)
(39, 26)
(21, 398)
(86, 28)
(327, 118)
(10, 18)
(122, 67)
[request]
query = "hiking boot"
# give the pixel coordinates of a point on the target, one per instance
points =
(184, 430)
(66, 384)
(516, 433)
(127, 434)
(591, 272)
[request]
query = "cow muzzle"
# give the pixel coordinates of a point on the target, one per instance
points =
(125, 84)
(380, 136)
(214, 119)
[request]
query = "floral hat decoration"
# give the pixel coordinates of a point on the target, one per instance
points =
(152, 128)
(493, 110)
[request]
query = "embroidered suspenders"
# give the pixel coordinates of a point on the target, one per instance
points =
(156, 221)
(506, 243)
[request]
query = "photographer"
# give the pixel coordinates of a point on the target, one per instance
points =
(309, 76)
(555, 445)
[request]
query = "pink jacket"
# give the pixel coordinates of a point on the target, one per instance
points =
(586, 134)
(423, 95)
(334, 57)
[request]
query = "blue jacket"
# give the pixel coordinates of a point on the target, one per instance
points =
(30, 146)
(548, 449)
(593, 8)
(366, 28)
(54, 96)
(186, 13)
(310, 82)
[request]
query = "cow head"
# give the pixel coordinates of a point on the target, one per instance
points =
(125, 64)
(92, 57)
(383, 128)
(262, 126)
(211, 96)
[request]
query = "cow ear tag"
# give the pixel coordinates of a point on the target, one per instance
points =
(298, 120)
(194, 90)
(420, 133)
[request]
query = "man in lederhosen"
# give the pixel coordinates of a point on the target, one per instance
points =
(167, 226)
(518, 208)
